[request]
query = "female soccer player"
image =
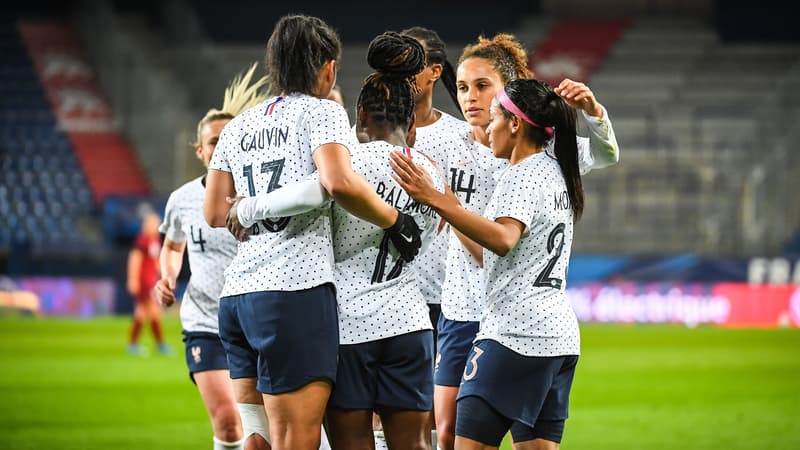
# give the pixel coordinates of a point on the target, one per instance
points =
(210, 252)
(521, 366)
(436, 131)
(142, 276)
(278, 314)
(386, 351)
(484, 67)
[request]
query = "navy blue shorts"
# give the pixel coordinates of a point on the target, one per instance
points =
(521, 388)
(453, 346)
(394, 372)
(286, 339)
(204, 351)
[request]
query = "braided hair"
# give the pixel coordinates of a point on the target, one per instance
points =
(388, 93)
(542, 105)
(505, 52)
(435, 53)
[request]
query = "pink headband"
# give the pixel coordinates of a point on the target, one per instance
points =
(502, 97)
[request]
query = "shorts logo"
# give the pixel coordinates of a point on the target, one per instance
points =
(196, 354)
(436, 364)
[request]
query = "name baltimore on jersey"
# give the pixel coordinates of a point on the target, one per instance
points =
(398, 198)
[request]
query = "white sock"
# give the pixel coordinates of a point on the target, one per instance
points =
(380, 440)
(323, 440)
(219, 444)
(254, 420)
(434, 441)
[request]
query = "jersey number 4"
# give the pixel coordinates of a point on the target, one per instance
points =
(544, 279)
(275, 168)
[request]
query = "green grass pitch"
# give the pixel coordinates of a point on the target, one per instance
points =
(68, 384)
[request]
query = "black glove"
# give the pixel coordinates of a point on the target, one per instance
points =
(405, 235)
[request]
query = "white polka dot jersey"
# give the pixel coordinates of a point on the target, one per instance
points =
(264, 148)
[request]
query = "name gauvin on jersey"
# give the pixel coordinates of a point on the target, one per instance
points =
(398, 198)
(266, 137)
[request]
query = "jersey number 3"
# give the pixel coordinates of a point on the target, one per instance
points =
(275, 168)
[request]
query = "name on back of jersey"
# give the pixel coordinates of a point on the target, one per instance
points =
(397, 197)
(264, 138)
(561, 201)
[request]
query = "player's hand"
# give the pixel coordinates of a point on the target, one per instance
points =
(579, 96)
(164, 292)
(405, 235)
(413, 179)
(238, 231)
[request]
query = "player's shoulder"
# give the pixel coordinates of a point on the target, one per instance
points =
(249, 114)
(315, 105)
(451, 123)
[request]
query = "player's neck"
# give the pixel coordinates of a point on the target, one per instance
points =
(425, 113)
(394, 136)
(480, 135)
(521, 151)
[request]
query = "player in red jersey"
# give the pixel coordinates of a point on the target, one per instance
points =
(143, 274)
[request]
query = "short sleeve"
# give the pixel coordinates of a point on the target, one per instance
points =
(226, 146)
(171, 226)
(328, 124)
(520, 199)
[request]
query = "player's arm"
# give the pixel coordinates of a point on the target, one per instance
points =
(171, 259)
(499, 236)
(602, 142)
(219, 187)
(349, 189)
(356, 196)
(474, 249)
(135, 258)
(290, 200)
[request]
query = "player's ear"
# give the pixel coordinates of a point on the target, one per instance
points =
(436, 71)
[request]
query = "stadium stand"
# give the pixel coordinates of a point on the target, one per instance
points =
(43, 192)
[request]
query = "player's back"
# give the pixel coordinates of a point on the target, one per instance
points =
(263, 148)
(377, 291)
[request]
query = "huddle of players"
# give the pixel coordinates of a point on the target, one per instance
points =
(313, 209)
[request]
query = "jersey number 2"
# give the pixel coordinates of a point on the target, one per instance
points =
(275, 168)
(544, 279)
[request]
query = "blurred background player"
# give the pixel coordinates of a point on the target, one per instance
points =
(282, 276)
(210, 252)
(521, 367)
(143, 269)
